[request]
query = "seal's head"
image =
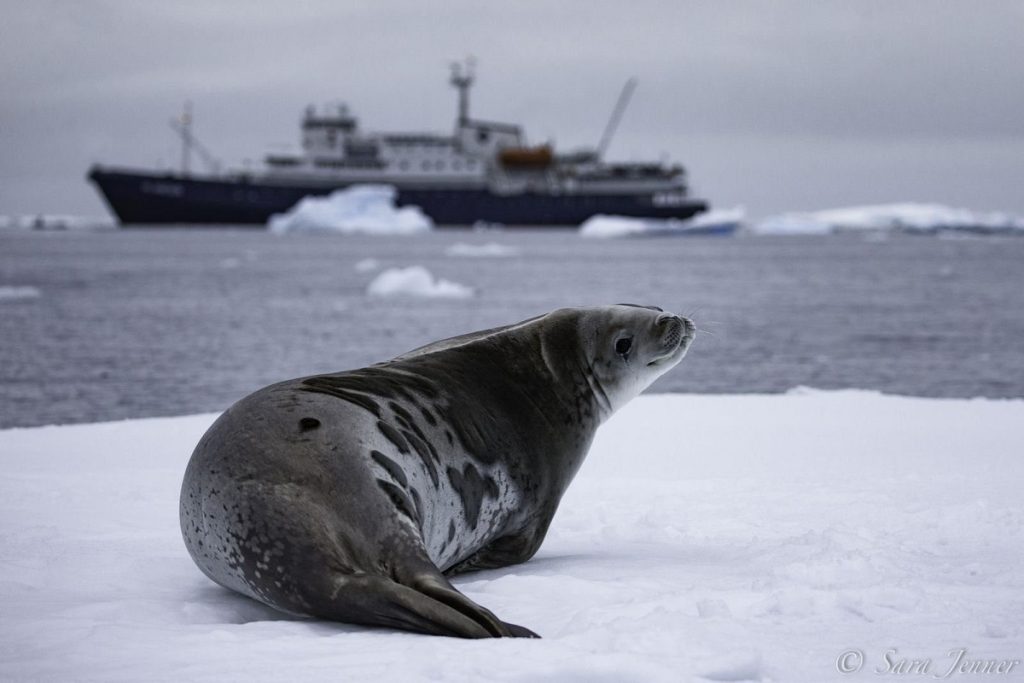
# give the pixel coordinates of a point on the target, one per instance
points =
(624, 348)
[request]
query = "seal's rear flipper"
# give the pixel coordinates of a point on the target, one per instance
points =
(438, 588)
(377, 601)
(433, 607)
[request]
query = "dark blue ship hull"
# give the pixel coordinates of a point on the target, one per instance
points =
(141, 198)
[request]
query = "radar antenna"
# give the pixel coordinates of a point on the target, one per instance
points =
(462, 79)
(613, 122)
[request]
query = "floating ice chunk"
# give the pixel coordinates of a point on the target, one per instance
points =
(415, 281)
(48, 221)
(721, 222)
(10, 293)
(366, 265)
(903, 217)
(489, 250)
(366, 209)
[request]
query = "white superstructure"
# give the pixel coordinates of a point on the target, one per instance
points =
(477, 155)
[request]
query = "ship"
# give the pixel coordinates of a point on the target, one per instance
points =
(483, 173)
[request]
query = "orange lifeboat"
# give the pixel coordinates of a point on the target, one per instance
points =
(526, 157)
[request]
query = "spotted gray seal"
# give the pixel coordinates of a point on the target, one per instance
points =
(354, 496)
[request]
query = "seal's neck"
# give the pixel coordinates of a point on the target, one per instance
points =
(573, 381)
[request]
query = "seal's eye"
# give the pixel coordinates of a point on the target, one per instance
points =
(623, 346)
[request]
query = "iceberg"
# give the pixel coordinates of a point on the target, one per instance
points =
(489, 250)
(415, 281)
(904, 217)
(717, 222)
(367, 209)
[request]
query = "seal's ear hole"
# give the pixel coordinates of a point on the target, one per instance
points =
(307, 423)
(623, 345)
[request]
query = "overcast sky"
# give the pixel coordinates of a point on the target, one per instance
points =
(772, 105)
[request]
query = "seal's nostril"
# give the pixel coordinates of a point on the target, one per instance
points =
(673, 327)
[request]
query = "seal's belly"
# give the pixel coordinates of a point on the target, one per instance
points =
(472, 508)
(459, 505)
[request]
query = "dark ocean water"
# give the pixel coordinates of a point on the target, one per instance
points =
(166, 322)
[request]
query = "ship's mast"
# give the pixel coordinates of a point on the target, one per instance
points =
(186, 136)
(183, 127)
(613, 122)
(462, 79)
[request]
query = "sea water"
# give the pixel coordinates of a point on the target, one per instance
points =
(134, 323)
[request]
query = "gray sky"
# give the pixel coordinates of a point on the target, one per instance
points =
(772, 105)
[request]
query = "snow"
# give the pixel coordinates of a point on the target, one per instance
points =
(902, 217)
(722, 221)
(366, 209)
(711, 537)
(16, 292)
(415, 281)
(489, 250)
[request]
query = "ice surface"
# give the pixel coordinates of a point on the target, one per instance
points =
(903, 217)
(705, 538)
(366, 209)
(723, 221)
(415, 281)
(489, 250)
(15, 292)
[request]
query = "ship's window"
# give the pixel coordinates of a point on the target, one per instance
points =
(482, 135)
(439, 166)
(425, 165)
(332, 137)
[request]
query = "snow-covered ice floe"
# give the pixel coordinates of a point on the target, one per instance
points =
(905, 217)
(368, 209)
(705, 537)
(716, 222)
(19, 292)
(489, 250)
(416, 281)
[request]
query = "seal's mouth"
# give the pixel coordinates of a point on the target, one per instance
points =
(676, 337)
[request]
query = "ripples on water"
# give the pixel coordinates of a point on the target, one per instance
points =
(163, 322)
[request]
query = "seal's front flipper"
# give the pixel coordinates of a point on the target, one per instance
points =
(438, 588)
(377, 601)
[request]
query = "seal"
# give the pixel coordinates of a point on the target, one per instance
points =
(355, 496)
